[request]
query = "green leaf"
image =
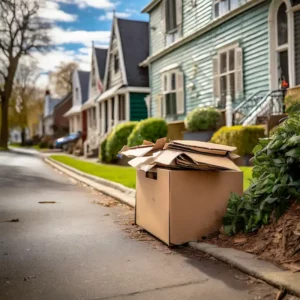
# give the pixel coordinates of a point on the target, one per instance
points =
(295, 153)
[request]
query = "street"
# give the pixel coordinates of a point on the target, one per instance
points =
(72, 247)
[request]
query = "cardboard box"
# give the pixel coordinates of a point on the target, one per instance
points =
(180, 206)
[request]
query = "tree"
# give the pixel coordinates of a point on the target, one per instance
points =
(62, 79)
(25, 103)
(21, 32)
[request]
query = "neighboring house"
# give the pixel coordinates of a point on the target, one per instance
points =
(77, 118)
(202, 51)
(60, 122)
(47, 122)
(126, 84)
(96, 87)
(15, 135)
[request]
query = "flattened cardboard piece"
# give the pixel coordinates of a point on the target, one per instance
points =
(196, 161)
(201, 147)
(143, 150)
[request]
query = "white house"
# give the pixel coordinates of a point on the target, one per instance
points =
(98, 63)
(77, 117)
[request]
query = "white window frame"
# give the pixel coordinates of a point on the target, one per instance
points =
(237, 3)
(166, 87)
(273, 42)
(237, 71)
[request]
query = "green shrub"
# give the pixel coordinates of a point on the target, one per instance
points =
(117, 139)
(244, 138)
(203, 119)
(150, 130)
(102, 152)
(276, 181)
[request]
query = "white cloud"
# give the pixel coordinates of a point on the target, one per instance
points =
(52, 11)
(61, 36)
(109, 15)
(100, 4)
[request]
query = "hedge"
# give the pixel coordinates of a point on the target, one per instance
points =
(245, 138)
(203, 119)
(102, 152)
(150, 129)
(117, 139)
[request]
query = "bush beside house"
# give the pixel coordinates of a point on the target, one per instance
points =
(201, 123)
(117, 139)
(245, 138)
(150, 129)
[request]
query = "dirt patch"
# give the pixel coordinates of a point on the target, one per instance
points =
(278, 242)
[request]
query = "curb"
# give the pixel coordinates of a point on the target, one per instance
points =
(245, 262)
(115, 190)
(255, 267)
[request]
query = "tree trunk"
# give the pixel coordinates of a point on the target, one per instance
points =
(4, 123)
(23, 137)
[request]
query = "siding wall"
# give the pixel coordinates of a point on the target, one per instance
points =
(115, 79)
(157, 39)
(138, 108)
(249, 29)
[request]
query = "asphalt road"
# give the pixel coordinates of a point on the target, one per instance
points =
(77, 249)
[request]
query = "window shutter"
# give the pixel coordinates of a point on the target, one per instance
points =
(239, 79)
(180, 103)
(163, 17)
(179, 13)
(216, 79)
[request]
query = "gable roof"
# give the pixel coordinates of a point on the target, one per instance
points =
(134, 37)
(101, 55)
(84, 80)
(63, 100)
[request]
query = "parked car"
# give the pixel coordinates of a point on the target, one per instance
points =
(63, 141)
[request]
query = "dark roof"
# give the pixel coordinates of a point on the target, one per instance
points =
(63, 100)
(135, 45)
(101, 55)
(84, 80)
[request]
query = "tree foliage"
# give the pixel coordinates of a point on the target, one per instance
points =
(21, 32)
(62, 79)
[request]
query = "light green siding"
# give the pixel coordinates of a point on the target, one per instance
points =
(138, 108)
(249, 29)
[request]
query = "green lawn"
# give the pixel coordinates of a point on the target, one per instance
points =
(123, 175)
(247, 176)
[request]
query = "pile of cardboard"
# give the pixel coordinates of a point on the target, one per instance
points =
(183, 187)
(182, 155)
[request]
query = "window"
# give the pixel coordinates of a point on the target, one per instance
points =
(173, 93)
(112, 111)
(222, 7)
(94, 117)
(77, 95)
(228, 75)
(282, 46)
(93, 74)
(171, 19)
(171, 23)
(116, 63)
(122, 108)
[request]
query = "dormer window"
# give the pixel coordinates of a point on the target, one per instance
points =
(116, 62)
(93, 74)
(77, 95)
(222, 7)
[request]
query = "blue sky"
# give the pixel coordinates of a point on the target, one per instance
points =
(76, 23)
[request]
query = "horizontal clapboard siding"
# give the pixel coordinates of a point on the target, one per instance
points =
(249, 29)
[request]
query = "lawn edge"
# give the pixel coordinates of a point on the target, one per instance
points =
(116, 190)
